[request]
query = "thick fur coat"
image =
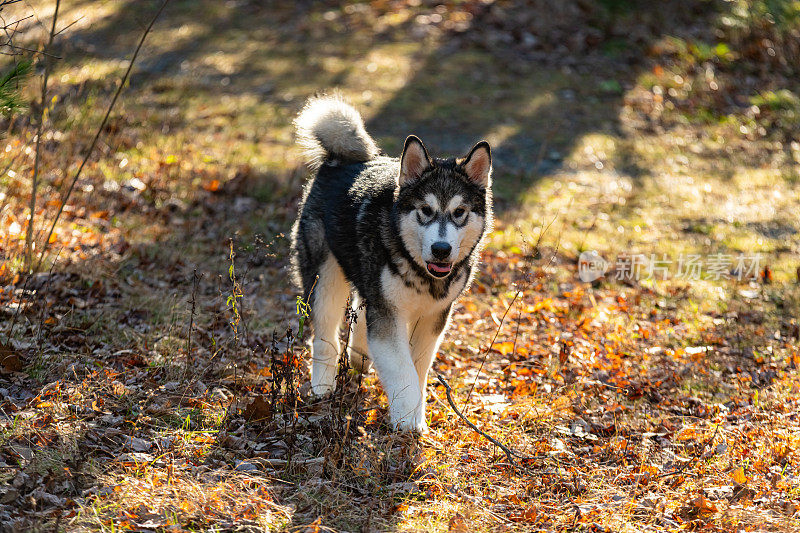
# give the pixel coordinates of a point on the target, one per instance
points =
(403, 234)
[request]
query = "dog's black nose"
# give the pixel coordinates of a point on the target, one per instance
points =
(441, 250)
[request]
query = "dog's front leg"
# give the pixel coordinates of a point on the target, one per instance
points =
(387, 337)
(426, 335)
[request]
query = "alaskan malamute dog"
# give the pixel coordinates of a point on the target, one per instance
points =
(405, 233)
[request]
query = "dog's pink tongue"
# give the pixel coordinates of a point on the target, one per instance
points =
(442, 269)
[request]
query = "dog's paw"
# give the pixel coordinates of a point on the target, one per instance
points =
(412, 425)
(321, 389)
(360, 363)
(421, 428)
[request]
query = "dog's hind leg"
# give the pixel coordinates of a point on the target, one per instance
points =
(328, 299)
(357, 349)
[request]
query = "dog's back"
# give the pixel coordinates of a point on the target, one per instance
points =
(351, 186)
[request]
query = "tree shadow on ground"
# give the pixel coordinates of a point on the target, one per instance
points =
(533, 78)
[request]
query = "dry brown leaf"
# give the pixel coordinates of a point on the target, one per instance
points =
(258, 409)
(702, 504)
(10, 359)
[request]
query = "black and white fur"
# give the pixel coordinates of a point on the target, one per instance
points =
(405, 234)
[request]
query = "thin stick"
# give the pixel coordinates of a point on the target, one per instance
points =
(193, 301)
(68, 193)
(489, 348)
(24, 49)
(510, 453)
(37, 158)
(68, 26)
(502, 320)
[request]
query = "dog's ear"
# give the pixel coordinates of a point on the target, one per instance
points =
(414, 160)
(478, 164)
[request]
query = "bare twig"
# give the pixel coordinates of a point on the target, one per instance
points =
(15, 47)
(193, 301)
(5, 3)
(68, 26)
(89, 152)
(489, 348)
(510, 453)
(508, 308)
(37, 158)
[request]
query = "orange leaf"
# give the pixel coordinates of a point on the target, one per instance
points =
(703, 505)
(738, 476)
(212, 186)
(504, 348)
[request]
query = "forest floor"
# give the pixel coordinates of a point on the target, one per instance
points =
(151, 374)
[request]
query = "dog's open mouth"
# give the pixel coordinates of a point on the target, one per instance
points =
(440, 270)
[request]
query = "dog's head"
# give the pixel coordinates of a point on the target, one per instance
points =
(444, 205)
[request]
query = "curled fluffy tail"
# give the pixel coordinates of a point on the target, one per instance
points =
(330, 128)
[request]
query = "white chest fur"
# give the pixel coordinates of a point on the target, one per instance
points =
(412, 298)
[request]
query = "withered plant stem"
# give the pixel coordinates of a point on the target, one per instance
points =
(29, 247)
(97, 134)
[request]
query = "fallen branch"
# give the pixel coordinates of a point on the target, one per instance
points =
(510, 453)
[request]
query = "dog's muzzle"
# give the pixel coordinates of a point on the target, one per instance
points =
(441, 252)
(439, 270)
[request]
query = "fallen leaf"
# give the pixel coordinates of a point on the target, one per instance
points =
(258, 409)
(10, 359)
(212, 186)
(457, 524)
(504, 348)
(738, 476)
(702, 505)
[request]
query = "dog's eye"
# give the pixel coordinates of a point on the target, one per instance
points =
(458, 213)
(426, 211)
